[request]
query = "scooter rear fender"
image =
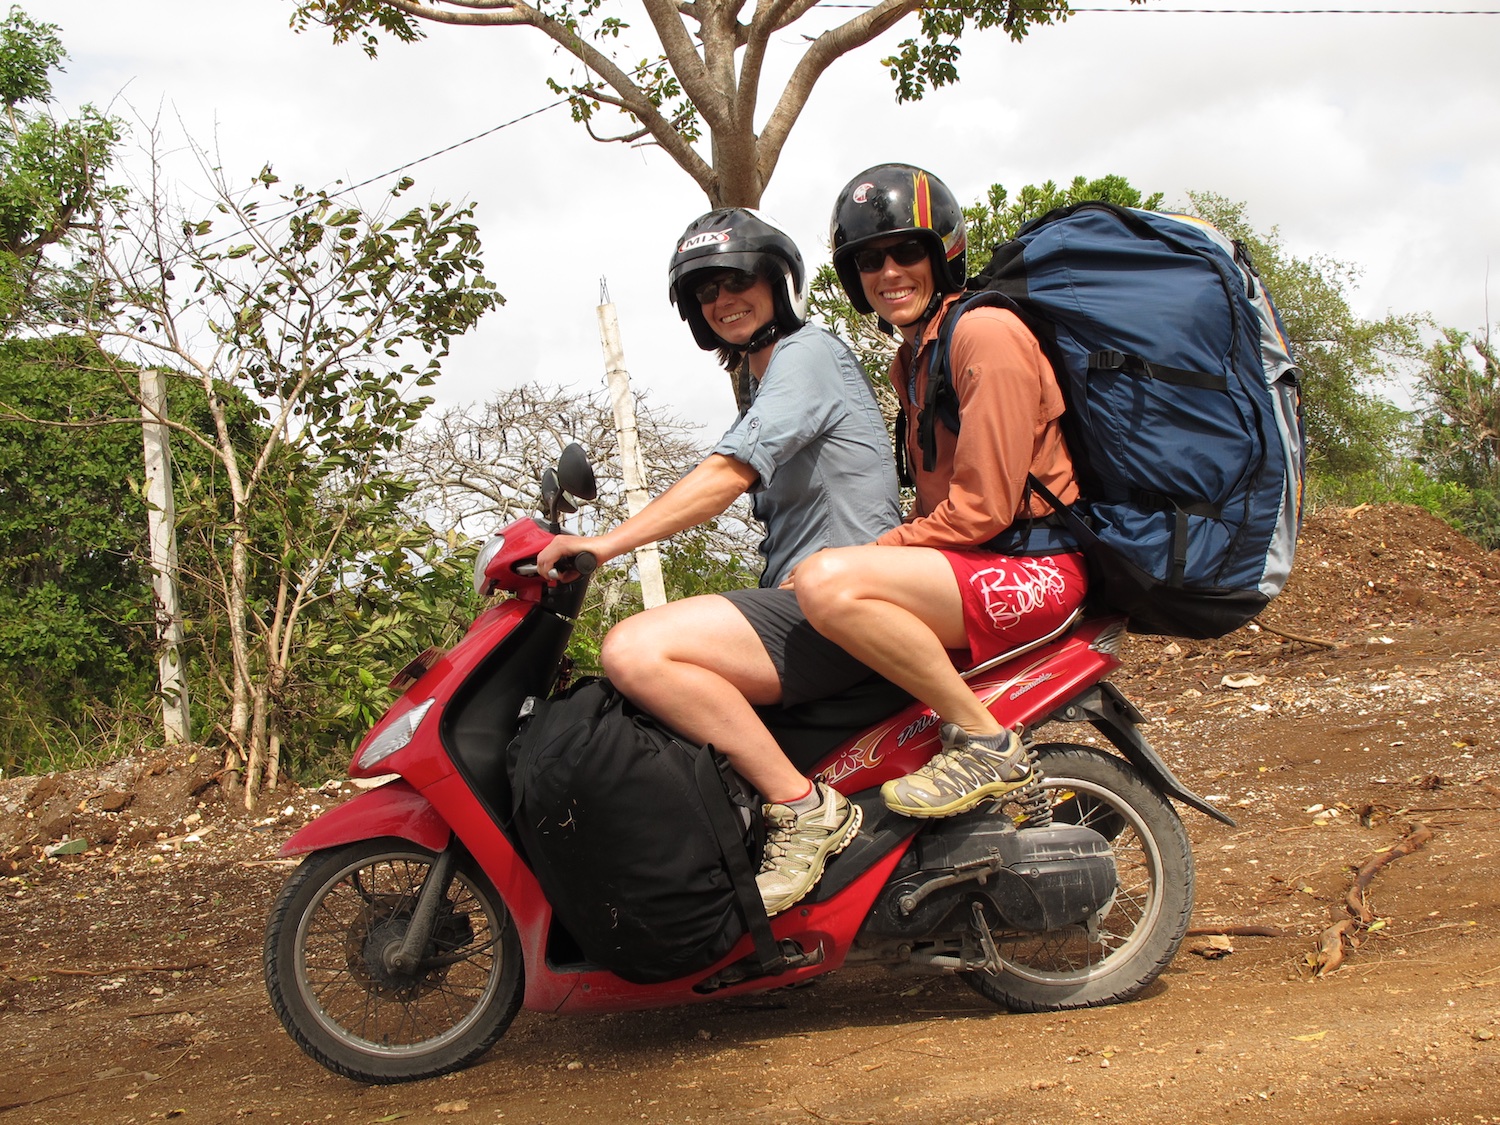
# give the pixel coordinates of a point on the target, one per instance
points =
(394, 809)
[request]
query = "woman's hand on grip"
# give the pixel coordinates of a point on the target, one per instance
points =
(566, 547)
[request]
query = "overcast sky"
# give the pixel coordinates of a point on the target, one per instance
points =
(1371, 138)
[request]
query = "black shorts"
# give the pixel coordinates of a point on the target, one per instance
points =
(809, 664)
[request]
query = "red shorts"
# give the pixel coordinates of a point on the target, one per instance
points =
(1009, 601)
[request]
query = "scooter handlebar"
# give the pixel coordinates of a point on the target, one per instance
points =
(583, 563)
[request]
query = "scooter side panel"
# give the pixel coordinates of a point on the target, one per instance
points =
(546, 990)
(1020, 692)
(394, 809)
(827, 926)
(417, 762)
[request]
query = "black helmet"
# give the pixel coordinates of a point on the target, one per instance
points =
(736, 238)
(896, 199)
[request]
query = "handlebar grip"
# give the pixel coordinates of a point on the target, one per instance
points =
(583, 564)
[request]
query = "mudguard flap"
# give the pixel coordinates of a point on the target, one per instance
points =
(395, 809)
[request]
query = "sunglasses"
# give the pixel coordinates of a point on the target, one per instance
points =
(871, 259)
(735, 281)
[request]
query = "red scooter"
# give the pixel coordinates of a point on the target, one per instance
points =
(405, 943)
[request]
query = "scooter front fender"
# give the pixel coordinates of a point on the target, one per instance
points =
(394, 809)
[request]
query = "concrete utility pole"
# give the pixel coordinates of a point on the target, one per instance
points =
(647, 558)
(161, 527)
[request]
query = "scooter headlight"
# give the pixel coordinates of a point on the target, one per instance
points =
(486, 554)
(395, 737)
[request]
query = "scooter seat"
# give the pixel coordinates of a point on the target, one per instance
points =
(807, 732)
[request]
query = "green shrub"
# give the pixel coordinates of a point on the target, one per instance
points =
(1476, 513)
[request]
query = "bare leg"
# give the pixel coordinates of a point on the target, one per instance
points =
(898, 610)
(699, 667)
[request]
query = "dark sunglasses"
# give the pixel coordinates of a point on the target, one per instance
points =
(735, 281)
(871, 259)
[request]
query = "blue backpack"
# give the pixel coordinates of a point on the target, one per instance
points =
(1184, 414)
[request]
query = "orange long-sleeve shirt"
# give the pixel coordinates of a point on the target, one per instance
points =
(1009, 404)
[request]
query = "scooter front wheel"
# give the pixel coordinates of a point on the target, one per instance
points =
(1124, 946)
(328, 968)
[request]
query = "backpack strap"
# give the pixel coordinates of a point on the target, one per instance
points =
(940, 403)
(716, 802)
(1088, 540)
(1094, 547)
(1135, 365)
(903, 470)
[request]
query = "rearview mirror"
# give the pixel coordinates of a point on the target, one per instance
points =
(551, 493)
(575, 474)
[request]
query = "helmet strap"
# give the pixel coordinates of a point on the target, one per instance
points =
(736, 357)
(768, 335)
(928, 313)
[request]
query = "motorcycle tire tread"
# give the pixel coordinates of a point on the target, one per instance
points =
(1137, 969)
(301, 892)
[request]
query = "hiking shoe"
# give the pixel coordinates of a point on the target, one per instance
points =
(797, 847)
(969, 769)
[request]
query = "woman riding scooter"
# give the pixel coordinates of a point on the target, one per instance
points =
(812, 450)
(979, 565)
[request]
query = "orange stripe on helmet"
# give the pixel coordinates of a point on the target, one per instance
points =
(921, 200)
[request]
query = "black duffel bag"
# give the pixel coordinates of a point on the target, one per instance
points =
(634, 836)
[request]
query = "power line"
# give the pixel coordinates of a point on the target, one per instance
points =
(403, 167)
(454, 145)
(1292, 11)
(1148, 11)
(1133, 9)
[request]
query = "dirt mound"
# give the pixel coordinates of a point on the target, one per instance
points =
(1361, 567)
(1387, 561)
(1365, 703)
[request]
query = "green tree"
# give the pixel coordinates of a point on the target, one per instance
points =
(76, 614)
(695, 72)
(329, 320)
(73, 596)
(77, 655)
(52, 172)
(405, 588)
(1459, 426)
(1351, 427)
(997, 218)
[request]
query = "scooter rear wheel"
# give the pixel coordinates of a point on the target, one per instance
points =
(327, 970)
(1126, 945)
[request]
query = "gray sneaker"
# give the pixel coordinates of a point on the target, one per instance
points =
(969, 770)
(798, 847)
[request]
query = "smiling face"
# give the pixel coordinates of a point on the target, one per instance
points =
(736, 317)
(898, 293)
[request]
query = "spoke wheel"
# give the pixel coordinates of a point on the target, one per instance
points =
(338, 919)
(1125, 945)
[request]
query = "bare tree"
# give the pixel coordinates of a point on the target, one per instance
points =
(705, 63)
(308, 327)
(478, 467)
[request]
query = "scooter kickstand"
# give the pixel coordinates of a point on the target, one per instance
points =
(992, 961)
